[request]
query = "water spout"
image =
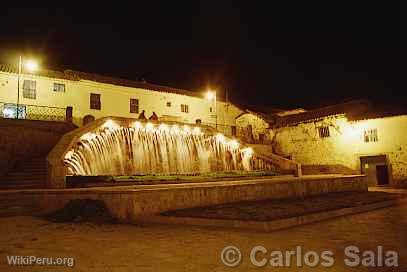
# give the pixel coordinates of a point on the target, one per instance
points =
(154, 149)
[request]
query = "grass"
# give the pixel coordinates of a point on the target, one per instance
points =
(97, 181)
(193, 177)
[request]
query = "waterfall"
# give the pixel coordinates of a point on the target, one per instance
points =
(154, 149)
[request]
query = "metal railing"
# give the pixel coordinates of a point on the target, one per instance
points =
(32, 112)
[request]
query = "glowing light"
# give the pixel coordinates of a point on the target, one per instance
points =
(234, 144)
(137, 125)
(9, 113)
(163, 127)
(31, 65)
(175, 129)
(88, 136)
(196, 130)
(187, 129)
(149, 126)
(110, 124)
(220, 138)
(68, 155)
(210, 95)
(248, 151)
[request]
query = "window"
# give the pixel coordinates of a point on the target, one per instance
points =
(30, 89)
(59, 87)
(168, 104)
(210, 109)
(184, 108)
(323, 132)
(134, 105)
(95, 101)
(370, 135)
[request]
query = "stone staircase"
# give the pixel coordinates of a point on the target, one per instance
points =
(26, 175)
(17, 204)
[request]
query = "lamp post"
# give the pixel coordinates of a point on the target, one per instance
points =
(211, 95)
(30, 66)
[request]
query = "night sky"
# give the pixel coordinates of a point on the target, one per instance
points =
(263, 54)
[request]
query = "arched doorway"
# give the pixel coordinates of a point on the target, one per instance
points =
(87, 119)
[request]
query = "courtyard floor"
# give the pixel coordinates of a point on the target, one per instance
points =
(275, 209)
(177, 248)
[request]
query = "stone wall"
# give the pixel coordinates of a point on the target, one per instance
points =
(258, 127)
(22, 140)
(346, 143)
(317, 169)
(129, 205)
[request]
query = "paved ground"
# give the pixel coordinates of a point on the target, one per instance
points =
(275, 209)
(165, 248)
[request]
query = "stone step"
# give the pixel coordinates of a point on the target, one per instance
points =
(17, 211)
(36, 172)
(22, 186)
(21, 183)
(31, 184)
(30, 166)
(26, 175)
(22, 178)
(19, 201)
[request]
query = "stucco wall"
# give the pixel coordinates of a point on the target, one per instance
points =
(346, 144)
(115, 100)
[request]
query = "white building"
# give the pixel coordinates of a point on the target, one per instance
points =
(47, 94)
(348, 138)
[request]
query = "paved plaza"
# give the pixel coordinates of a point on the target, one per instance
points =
(176, 248)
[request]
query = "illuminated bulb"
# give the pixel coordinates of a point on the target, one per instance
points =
(163, 127)
(248, 151)
(220, 138)
(137, 125)
(31, 65)
(234, 144)
(68, 155)
(187, 129)
(149, 126)
(8, 112)
(110, 125)
(196, 130)
(210, 95)
(175, 129)
(88, 136)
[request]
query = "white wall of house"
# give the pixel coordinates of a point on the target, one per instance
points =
(346, 143)
(115, 100)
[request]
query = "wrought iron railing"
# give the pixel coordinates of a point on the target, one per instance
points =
(32, 112)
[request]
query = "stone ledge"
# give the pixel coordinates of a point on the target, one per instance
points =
(267, 226)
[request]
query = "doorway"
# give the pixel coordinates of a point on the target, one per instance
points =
(382, 175)
(376, 169)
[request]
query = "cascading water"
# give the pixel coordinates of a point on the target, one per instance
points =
(149, 149)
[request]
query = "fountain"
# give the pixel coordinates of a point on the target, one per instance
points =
(147, 148)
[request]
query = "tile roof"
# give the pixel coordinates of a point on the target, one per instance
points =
(354, 110)
(77, 76)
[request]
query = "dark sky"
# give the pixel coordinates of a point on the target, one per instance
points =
(262, 53)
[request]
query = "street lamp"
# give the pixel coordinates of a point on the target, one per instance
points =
(211, 95)
(30, 66)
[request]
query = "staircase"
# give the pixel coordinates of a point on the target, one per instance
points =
(30, 174)
(17, 204)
